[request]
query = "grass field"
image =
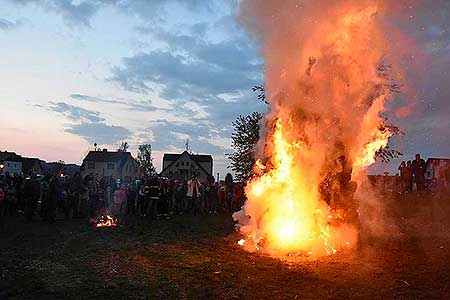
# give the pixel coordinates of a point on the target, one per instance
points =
(190, 257)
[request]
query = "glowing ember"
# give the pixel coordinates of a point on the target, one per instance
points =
(106, 221)
(323, 128)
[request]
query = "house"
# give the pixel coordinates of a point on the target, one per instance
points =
(184, 165)
(52, 167)
(31, 166)
(438, 168)
(107, 163)
(10, 163)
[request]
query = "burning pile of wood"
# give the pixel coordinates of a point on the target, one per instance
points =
(104, 221)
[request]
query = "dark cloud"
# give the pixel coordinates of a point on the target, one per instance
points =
(75, 113)
(178, 75)
(196, 71)
(99, 133)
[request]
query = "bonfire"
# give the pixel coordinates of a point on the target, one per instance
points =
(105, 221)
(327, 81)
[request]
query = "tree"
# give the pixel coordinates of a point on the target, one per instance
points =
(145, 160)
(244, 139)
(123, 147)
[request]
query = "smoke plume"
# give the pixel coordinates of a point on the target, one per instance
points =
(330, 68)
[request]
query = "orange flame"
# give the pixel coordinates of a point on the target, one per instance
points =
(106, 221)
(326, 122)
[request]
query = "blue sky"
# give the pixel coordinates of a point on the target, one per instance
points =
(77, 72)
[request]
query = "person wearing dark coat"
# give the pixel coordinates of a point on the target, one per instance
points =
(153, 196)
(76, 188)
(131, 199)
(419, 168)
(31, 194)
(55, 191)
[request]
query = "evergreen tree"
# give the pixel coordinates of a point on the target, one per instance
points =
(244, 138)
(145, 160)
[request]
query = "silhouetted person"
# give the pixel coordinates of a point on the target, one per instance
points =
(76, 188)
(403, 176)
(31, 193)
(152, 197)
(409, 177)
(131, 198)
(55, 190)
(418, 169)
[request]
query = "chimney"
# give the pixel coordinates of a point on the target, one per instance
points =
(105, 150)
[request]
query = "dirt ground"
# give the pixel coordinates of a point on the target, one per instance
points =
(197, 258)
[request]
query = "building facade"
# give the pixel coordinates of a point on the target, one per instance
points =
(110, 164)
(31, 166)
(183, 166)
(438, 169)
(10, 163)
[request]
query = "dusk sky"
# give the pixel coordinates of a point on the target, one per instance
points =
(75, 73)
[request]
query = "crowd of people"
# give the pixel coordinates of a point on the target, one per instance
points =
(412, 175)
(91, 196)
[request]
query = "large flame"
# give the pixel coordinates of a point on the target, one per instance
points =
(326, 84)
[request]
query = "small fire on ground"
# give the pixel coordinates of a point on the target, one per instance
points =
(105, 221)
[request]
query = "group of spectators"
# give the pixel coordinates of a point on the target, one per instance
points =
(91, 196)
(413, 172)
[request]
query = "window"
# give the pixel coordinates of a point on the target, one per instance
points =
(110, 166)
(187, 163)
(91, 165)
(182, 163)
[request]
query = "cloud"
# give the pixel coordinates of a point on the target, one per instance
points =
(81, 12)
(100, 133)
(93, 99)
(195, 74)
(132, 105)
(218, 141)
(174, 134)
(9, 25)
(73, 12)
(75, 113)
(89, 124)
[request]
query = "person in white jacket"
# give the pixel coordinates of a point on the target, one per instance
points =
(193, 194)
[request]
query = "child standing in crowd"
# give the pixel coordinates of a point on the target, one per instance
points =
(119, 201)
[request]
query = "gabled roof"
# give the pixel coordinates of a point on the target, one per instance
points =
(173, 158)
(11, 156)
(101, 156)
(28, 163)
(195, 157)
(106, 156)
